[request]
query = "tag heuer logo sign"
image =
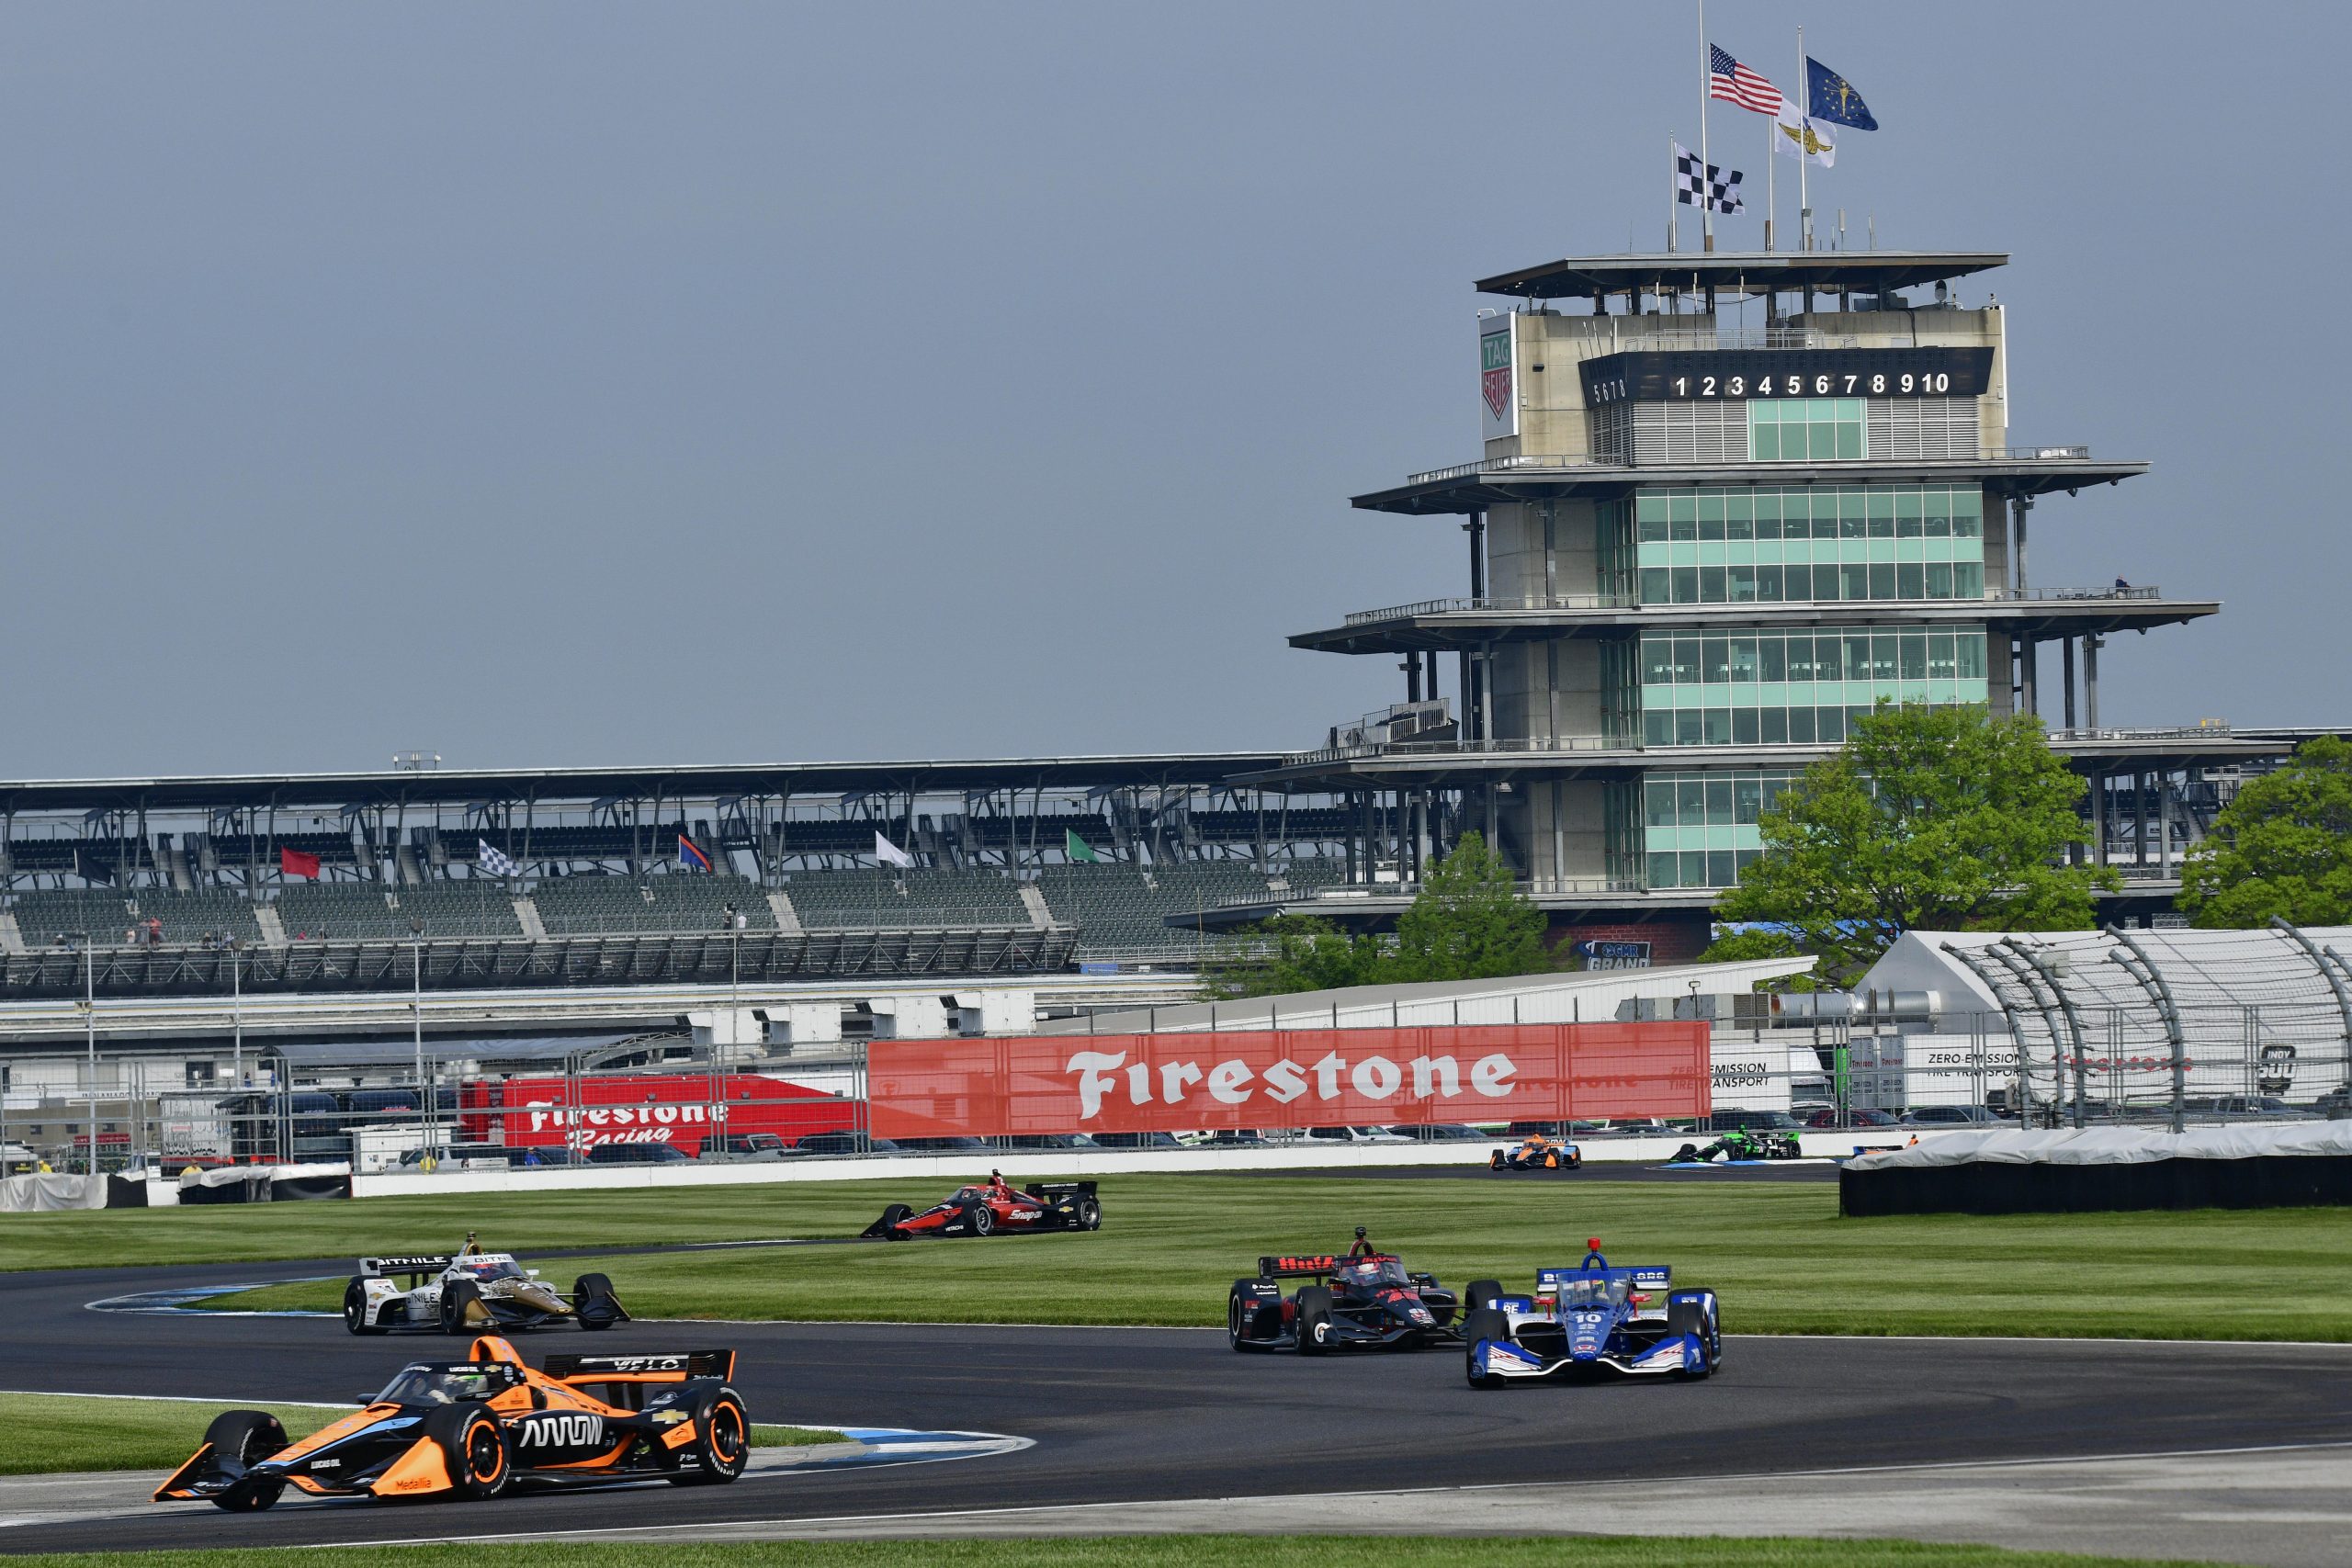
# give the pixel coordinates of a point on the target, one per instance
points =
(1494, 369)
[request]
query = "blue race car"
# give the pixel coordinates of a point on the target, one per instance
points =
(1592, 1319)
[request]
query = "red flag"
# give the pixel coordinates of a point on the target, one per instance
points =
(294, 863)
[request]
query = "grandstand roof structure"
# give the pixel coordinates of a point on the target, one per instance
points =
(688, 780)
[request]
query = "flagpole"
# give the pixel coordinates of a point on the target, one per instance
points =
(1772, 184)
(1706, 207)
(1673, 195)
(1804, 146)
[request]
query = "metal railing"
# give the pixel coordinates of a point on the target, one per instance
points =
(2204, 730)
(2038, 453)
(1716, 338)
(1538, 603)
(1446, 748)
(1541, 462)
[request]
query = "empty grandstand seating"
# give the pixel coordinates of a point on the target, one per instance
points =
(845, 900)
(668, 901)
(1124, 907)
(347, 912)
(106, 913)
(1045, 834)
(837, 836)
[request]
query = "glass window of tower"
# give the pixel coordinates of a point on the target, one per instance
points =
(1808, 544)
(1771, 687)
(1697, 829)
(1798, 430)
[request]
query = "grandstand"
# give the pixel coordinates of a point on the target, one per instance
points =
(588, 905)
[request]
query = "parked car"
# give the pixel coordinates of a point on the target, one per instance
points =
(636, 1153)
(845, 1143)
(2242, 1106)
(1233, 1138)
(1857, 1117)
(1949, 1116)
(954, 1143)
(1352, 1135)
(1440, 1133)
(1137, 1141)
(2336, 1104)
(515, 1156)
(1754, 1122)
(1051, 1141)
(740, 1148)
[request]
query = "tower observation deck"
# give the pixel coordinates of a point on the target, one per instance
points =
(1701, 550)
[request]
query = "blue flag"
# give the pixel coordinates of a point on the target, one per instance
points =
(1831, 98)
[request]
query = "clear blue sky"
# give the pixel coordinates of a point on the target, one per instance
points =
(581, 383)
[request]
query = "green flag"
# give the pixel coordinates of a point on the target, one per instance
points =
(1077, 849)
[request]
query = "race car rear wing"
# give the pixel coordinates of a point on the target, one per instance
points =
(675, 1368)
(418, 1264)
(1050, 1191)
(1642, 1279)
(1305, 1266)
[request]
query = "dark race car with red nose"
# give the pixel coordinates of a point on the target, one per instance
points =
(996, 1209)
(1367, 1302)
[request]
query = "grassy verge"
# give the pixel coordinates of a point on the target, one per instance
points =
(80, 1433)
(1135, 1551)
(1783, 1260)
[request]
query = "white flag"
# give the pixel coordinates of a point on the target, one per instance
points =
(491, 861)
(890, 853)
(1812, 135)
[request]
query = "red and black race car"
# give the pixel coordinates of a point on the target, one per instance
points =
(995, 1208)
(1357, 1302)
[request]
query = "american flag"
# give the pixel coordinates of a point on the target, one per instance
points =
(1729, 80)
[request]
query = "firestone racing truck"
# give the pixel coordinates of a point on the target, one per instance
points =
(1591, 1320)
(469, 1292)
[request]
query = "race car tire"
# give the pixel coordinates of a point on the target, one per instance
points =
(1495, 1160)
(1089, 1215)
(981, 1219)
(1314, 1321)
(1574, 1158)
(588, 1288)
(1687, 1316)
(1481, 1294)
(355, 1309)
(456, 1296)
(1483, 1322)
(1236, 1300)
(722, 1444)
(892, 1218)
(474, 1444)
(247, 1437)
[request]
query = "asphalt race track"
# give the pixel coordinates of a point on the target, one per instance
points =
(1158, 1415)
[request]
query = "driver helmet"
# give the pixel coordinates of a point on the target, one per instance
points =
(1360, 1232)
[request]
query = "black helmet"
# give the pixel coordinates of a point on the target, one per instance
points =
(1359, 1233)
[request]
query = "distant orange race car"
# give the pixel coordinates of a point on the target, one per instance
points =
(475, 1427)
(1538, 1153)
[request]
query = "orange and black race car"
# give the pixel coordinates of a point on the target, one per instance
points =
(1538, 1153)
(475, 1427)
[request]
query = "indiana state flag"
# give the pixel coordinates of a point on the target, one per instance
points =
(1830, 97)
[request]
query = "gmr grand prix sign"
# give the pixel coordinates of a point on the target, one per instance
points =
(1270, 1079)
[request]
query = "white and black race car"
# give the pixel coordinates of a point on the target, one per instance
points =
(470, 1292)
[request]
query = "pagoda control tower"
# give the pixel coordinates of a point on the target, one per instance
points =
(1700, 551)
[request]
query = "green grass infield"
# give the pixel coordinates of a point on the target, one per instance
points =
(1783, 1260)
(62, 1433)
(1137, 1551)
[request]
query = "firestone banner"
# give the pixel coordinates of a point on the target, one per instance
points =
(1287, 1078)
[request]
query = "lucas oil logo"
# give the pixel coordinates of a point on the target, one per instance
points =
(567, 1431)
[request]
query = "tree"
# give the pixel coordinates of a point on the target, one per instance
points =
(1306, 954)
(1468, 923)
(1941, 819)
(2282, 847)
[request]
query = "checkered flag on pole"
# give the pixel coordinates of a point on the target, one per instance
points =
(491, 861)
(1717, 189)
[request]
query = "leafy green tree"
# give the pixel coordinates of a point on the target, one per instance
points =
(1941, 819)
(1762, 941)
(1291, 953)
(2282, 847)
(1469, 921)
